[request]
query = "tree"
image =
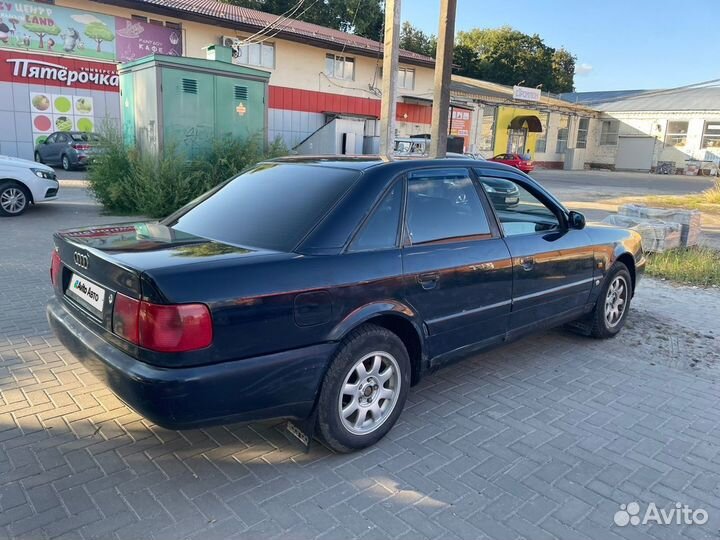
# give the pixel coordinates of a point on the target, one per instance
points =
(99, 32)
(42, 30)
(359, 17)
(415, 40)
(563, 70)
(507, 56)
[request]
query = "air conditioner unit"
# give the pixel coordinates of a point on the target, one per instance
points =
(229, 41)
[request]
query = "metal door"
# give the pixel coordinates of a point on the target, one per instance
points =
(634, 153)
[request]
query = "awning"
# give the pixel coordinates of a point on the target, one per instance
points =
(533, 123)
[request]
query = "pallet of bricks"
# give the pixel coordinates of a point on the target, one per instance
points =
(661, 228)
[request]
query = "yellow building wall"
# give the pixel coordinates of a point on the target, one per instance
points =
(502, 131)
(296, 65)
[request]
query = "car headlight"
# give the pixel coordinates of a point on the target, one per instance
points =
(42, 173)
(490, 189)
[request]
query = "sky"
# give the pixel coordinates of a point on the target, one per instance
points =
(619, 44)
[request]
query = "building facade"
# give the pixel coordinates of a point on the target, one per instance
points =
(645, 130)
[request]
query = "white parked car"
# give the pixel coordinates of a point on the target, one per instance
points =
(24, 182)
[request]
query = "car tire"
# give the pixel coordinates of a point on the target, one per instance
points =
(65, 161)
(613, 304)
(14, 199)
(38, 157)
(364, 390)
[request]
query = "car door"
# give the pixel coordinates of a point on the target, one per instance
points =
(458, 271)
(553, 264)
(46, 149)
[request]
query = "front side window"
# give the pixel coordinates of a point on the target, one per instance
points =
(518, 210)
(444, 204)
(562, 137)
(339, 67)
(582, 134)
(676, 134)
(380, 231)
(609, 133)
(254, 209)
(711, 135)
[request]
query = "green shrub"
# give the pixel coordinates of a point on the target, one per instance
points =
(126, 181)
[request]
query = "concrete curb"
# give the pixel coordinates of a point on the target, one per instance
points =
(74, 183)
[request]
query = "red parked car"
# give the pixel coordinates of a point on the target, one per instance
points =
(514, 160)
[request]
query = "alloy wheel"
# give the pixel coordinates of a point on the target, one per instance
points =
(369, 393)
(13, 200)
(616, 301)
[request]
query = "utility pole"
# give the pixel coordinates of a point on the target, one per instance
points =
(443, 67)
(389, 76)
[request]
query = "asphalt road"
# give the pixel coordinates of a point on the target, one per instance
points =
(588, 185)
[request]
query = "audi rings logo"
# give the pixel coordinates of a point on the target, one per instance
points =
(81, 260)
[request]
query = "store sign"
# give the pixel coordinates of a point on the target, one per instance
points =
(526, 94)
(48, 28)
(136, 39)
(51, 29)
(57, 71)
(460, 124)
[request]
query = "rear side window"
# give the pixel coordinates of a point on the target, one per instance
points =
(381, 229)
(271, 206)
(444, 204)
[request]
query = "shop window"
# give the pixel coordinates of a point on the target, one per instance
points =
(486, 139)
(609, 133)
(255, 54)
(676, 134)
(711, 135)
(562, 136)
(340, 67)
(582, 134)
(541, 138)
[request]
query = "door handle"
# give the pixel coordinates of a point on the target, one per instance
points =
(429, 280)
(527, 263)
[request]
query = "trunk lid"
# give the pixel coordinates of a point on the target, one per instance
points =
(99, 262)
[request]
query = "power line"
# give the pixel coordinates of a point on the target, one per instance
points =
(271, 26)
(283, 28)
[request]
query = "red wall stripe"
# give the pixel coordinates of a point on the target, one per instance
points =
(294, 99)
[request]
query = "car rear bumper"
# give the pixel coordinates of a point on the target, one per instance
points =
(282, 385)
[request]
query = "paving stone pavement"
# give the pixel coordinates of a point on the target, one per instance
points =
(544, 438)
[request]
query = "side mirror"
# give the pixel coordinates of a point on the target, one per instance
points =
(576, 220)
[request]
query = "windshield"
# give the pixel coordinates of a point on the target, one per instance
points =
(271, 206)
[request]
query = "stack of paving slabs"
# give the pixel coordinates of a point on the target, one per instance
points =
(657, 235)
(688, 219)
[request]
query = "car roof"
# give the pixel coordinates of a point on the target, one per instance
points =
(366, 162)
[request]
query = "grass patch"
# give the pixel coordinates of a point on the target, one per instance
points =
(692, 266)
(706, 201)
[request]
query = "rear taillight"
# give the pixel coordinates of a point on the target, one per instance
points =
(126, 314)
(81, 146)
(55, 267)
(162, 328)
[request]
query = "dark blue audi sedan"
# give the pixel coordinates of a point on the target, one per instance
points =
(321, 289)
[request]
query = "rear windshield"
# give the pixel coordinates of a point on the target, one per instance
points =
(85, 137)
(271, 206)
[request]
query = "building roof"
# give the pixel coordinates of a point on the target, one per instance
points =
(699, 98)
(245, 19)
(503, 95)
